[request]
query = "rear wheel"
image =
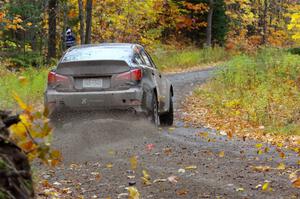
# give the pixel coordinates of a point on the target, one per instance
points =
(167, 119)
(154, 111)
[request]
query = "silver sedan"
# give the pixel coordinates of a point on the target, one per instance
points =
(110, 76)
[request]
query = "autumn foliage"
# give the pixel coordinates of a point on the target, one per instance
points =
(33, 134)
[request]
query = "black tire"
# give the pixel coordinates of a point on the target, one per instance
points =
(154, 111)
(167, 119)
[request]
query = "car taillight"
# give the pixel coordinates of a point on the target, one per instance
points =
(54, 78)
(133, 75)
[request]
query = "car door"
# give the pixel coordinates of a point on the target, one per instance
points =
(157, 78)
(164, 85)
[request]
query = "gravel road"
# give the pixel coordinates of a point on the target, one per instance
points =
(97, 151)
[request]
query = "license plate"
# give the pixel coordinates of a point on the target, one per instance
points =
(92, 83)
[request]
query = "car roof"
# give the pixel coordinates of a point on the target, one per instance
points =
(108, 45)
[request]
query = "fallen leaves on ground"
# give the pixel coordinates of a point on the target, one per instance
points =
(281, 166)
(96, 175)
(266, 187)
(240, 189)
(192, 167)
(167, 151)
(296, 183)
(198, 112)
(181, 192)
(149, 147)
(109, 165)
(133, 193)
(221, 154)
(133, 162)
(171, 129)
(146, 178)
(295, 178)
(173, 179)
(262, 168)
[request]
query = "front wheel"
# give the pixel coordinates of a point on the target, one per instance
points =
(167, 119)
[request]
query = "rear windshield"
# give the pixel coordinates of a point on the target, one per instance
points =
(96, 53)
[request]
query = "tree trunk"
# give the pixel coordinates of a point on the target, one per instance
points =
(52, 6)
(89, 5)
(209, 23)
(65, 24)
(265, 23)
(81, 21)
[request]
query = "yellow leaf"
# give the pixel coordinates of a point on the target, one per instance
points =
(281, 166)
(203, 134)
(258, 146)
(109, 165)
(259, 152)
(23, 80)
(133, 193)
(171, 129)
(261, 168)
(25, 120)
(279, 145)
(18, 131)
(267, 149)
(192, 167)
(221, 154)
(294, 175)
(133, 162)
(241, 189)
(146, 181)
(265, 186)
(111, 152)
(20, 102)
(146, 175)
(55, 154)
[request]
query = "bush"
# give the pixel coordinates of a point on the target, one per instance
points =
(263, 89)
(29, 59)
(295, 51)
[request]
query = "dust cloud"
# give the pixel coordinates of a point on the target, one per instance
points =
(88, 136)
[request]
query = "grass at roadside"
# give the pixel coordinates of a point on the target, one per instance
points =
(173, 61)
(29, 85)
(253, 93)
(32, 91)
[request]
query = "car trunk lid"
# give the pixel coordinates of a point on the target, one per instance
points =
(93, 75)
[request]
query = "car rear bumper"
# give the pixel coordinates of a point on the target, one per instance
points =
(130, 99)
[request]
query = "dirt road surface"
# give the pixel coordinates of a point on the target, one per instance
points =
(97, 151)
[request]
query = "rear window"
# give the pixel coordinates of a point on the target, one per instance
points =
(96, 53)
